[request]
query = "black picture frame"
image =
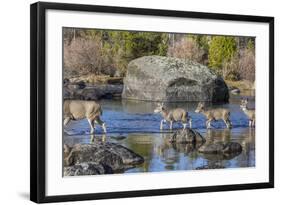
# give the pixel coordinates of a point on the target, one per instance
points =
(38, 100)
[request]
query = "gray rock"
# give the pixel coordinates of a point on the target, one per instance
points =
(221, 148)
(110, 155)
(219, 156)
(211, 166)
(87, 169)
(157, 78)
(187, 136)
(93, 92)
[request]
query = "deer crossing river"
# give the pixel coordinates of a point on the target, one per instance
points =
(133, 124)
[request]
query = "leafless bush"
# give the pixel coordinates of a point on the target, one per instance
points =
(230, 69)
(240, 67)
(83, 56)
(247, 65)
(186, 48)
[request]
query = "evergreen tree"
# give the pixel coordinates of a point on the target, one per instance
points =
(221, 50)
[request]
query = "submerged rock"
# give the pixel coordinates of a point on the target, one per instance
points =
(118, 137)
(210, 166)
(158, 78)
(186, 136)
(221, 148)
(100, 157)
(219, 156)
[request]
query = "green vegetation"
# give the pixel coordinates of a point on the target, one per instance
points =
(106, 52)
(222, 50)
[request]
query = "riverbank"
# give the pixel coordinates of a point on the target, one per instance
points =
(96, 87)
(241, 86)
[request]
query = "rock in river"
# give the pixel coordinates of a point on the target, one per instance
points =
(98, 158)
(158, 78)
(221, 148)
(87, 169)
(186, 136)
(91, 92)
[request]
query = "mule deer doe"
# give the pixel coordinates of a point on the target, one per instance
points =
(251, 113)
(79, 109)
(214, 114)
(175, 115)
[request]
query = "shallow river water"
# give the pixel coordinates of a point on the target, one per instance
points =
(134, 125)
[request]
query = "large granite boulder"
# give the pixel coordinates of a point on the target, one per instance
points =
(158, 78)
(98, 158)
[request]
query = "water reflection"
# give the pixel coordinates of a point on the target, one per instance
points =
(94, 138)
(161, 155)
(134, 125)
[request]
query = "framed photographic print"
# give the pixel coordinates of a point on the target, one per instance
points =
(129, 102)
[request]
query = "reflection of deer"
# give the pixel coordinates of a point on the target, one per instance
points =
(214, 114)
(94, 139)
(249, 112)
(79, 109)
(174, 115)
(214, 135)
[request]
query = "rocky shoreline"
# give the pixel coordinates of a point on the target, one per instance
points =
(102, 157)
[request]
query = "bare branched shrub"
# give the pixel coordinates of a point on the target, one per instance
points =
(83, 56)
(240, 67)
(247, 65)
(186, 48)
(230, 69)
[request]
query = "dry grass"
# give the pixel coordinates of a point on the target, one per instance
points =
(241, 85)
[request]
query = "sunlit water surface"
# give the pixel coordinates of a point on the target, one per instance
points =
(134, 125)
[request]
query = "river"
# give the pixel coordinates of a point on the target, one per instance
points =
(134, 125)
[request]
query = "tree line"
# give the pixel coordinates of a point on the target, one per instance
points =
(109, 52)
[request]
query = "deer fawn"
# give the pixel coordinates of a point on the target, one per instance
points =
(249, 112)
(214, 114)
(79, 109)
(175, 115)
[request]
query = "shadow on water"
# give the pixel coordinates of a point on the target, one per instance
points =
(134, 125)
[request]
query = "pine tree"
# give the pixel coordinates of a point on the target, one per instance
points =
(221, 50)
